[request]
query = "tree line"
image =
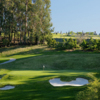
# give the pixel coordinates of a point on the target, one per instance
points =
(78, 33)
(90, 45)
(27, 21)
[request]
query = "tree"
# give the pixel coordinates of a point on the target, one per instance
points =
(43, 25)
(27, 19)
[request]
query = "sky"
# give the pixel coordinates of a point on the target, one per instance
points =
(75, 15)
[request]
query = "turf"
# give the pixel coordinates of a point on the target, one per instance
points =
(34, 85)
(32, 82)
(3, 60)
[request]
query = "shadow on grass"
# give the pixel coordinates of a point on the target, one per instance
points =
(39, 88)
(1, 61)
(43, 51)
(34, 59)
(55, 60)
(11, 48)
(51, 52)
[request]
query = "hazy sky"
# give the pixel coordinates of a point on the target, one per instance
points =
(76, 15)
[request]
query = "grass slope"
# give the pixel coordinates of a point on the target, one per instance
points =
(32, 82)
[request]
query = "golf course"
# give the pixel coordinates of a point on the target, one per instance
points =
(49, 50)
(31, 80)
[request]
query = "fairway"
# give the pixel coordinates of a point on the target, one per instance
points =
(34, 85)
(31, 81)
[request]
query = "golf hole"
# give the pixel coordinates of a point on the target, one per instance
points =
(77, 82)
(7, 87)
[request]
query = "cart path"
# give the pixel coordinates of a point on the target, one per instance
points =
(11, 60)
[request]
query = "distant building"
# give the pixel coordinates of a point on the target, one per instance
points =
(95, 33)
(61, 32)
(77, 33)
(83, 33)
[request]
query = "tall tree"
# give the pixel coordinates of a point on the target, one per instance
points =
(26, 16)
(43, 21)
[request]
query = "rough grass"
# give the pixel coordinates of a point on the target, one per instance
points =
(55, 61)
(34, 57)
(32, 82)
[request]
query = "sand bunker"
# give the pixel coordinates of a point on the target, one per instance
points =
(77, 82)
(11, 60)
(7, 88)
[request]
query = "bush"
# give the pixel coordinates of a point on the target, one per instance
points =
(98, 45)
(66, 44)
(60, 46)
(91, 45)
(70, 44)
(91, 93)
(84, 45)
(51, 42)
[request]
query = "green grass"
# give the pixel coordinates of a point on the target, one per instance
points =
(3, 60)
(34, 85)
(32, 82)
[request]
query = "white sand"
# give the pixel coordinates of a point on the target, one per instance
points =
(77, 82)
(11, 60)
(7, 88)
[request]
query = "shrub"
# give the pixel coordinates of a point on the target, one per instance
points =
(60, 46)
(98, 45)
(91, 93)
(51, 42)
(70, 44)
(84, 45)
(75, 43)
(91, 45)
(66, 44)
